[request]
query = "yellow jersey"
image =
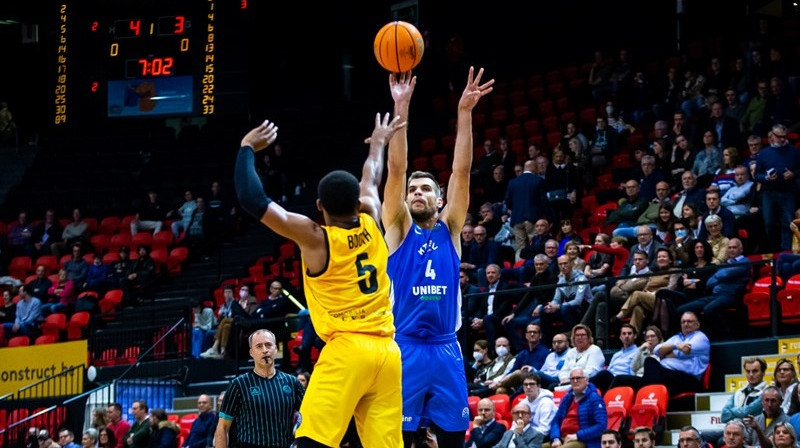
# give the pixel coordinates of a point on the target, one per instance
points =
(353, 293)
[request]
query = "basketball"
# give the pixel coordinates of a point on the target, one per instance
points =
(399, 46)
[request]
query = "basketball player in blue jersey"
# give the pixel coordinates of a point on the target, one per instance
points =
(425, 249)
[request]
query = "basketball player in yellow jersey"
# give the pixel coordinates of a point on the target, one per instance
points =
(348, 292)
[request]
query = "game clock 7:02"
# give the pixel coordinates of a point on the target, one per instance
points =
(144, 67)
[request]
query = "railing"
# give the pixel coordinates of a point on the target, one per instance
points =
(156, 382)
(66, 383)
(40, 394)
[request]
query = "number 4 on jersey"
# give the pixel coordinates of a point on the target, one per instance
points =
(429, 271)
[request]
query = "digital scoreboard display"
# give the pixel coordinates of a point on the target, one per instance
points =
(146, 58)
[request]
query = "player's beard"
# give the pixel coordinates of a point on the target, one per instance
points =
(421, 216)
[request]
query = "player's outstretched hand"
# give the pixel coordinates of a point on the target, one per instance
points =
(261, 136)
(384, 129)
(474, 89)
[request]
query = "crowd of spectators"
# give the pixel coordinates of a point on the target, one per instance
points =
(713, 180)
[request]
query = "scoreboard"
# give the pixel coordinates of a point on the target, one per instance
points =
(146, 58)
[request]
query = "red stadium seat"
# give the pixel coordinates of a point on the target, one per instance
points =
(20, 267)
(763, 284)
(111, 257)
(558, 395)
(49, 262)
(45, 339)
(125, 224)
(472, 401)
(177, 256)
(650, 408)
(502, 405)
(91, 225)
(109, 225)
(160, 258)
(789, 300)
(54, 324)
(19, 341)
(100, 242)
(187, 420)
(758, 309)
(141, 239)
(793, 283)
(618, 403)
(118, 240)
(163, 239)
(77, 324)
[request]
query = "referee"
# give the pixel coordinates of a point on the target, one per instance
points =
(261, 402)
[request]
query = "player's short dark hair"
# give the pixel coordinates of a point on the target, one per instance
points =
(338, 192)
(427, 175)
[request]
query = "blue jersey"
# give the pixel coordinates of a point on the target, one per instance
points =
(424, 274)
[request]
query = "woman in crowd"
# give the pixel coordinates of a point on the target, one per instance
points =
(784, 436)
(662, 155)
(304, 377)
(566, 234)
(482, 360)
(691, 213)
(785, 378)
(90, 438)
(63, 295)
(600, 262)
(724, 178)
(8, 309)
(694, 280)
(682, 158)
(99, 418)
(664, 222)
(106, 438)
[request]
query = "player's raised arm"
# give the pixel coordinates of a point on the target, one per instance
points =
(457, 204)
(250, 191)
(396, 217)
(372, 172)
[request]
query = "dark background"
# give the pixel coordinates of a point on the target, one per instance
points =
(310, 66)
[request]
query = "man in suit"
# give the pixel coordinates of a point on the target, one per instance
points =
(486, 431)
(482, 252)
(523, 434)
(714, 208)
(495, 306)
(722, 288)
(525, 199)
(646, 244)
(725, 127)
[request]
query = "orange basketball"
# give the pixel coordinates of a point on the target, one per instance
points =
(399, 46)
